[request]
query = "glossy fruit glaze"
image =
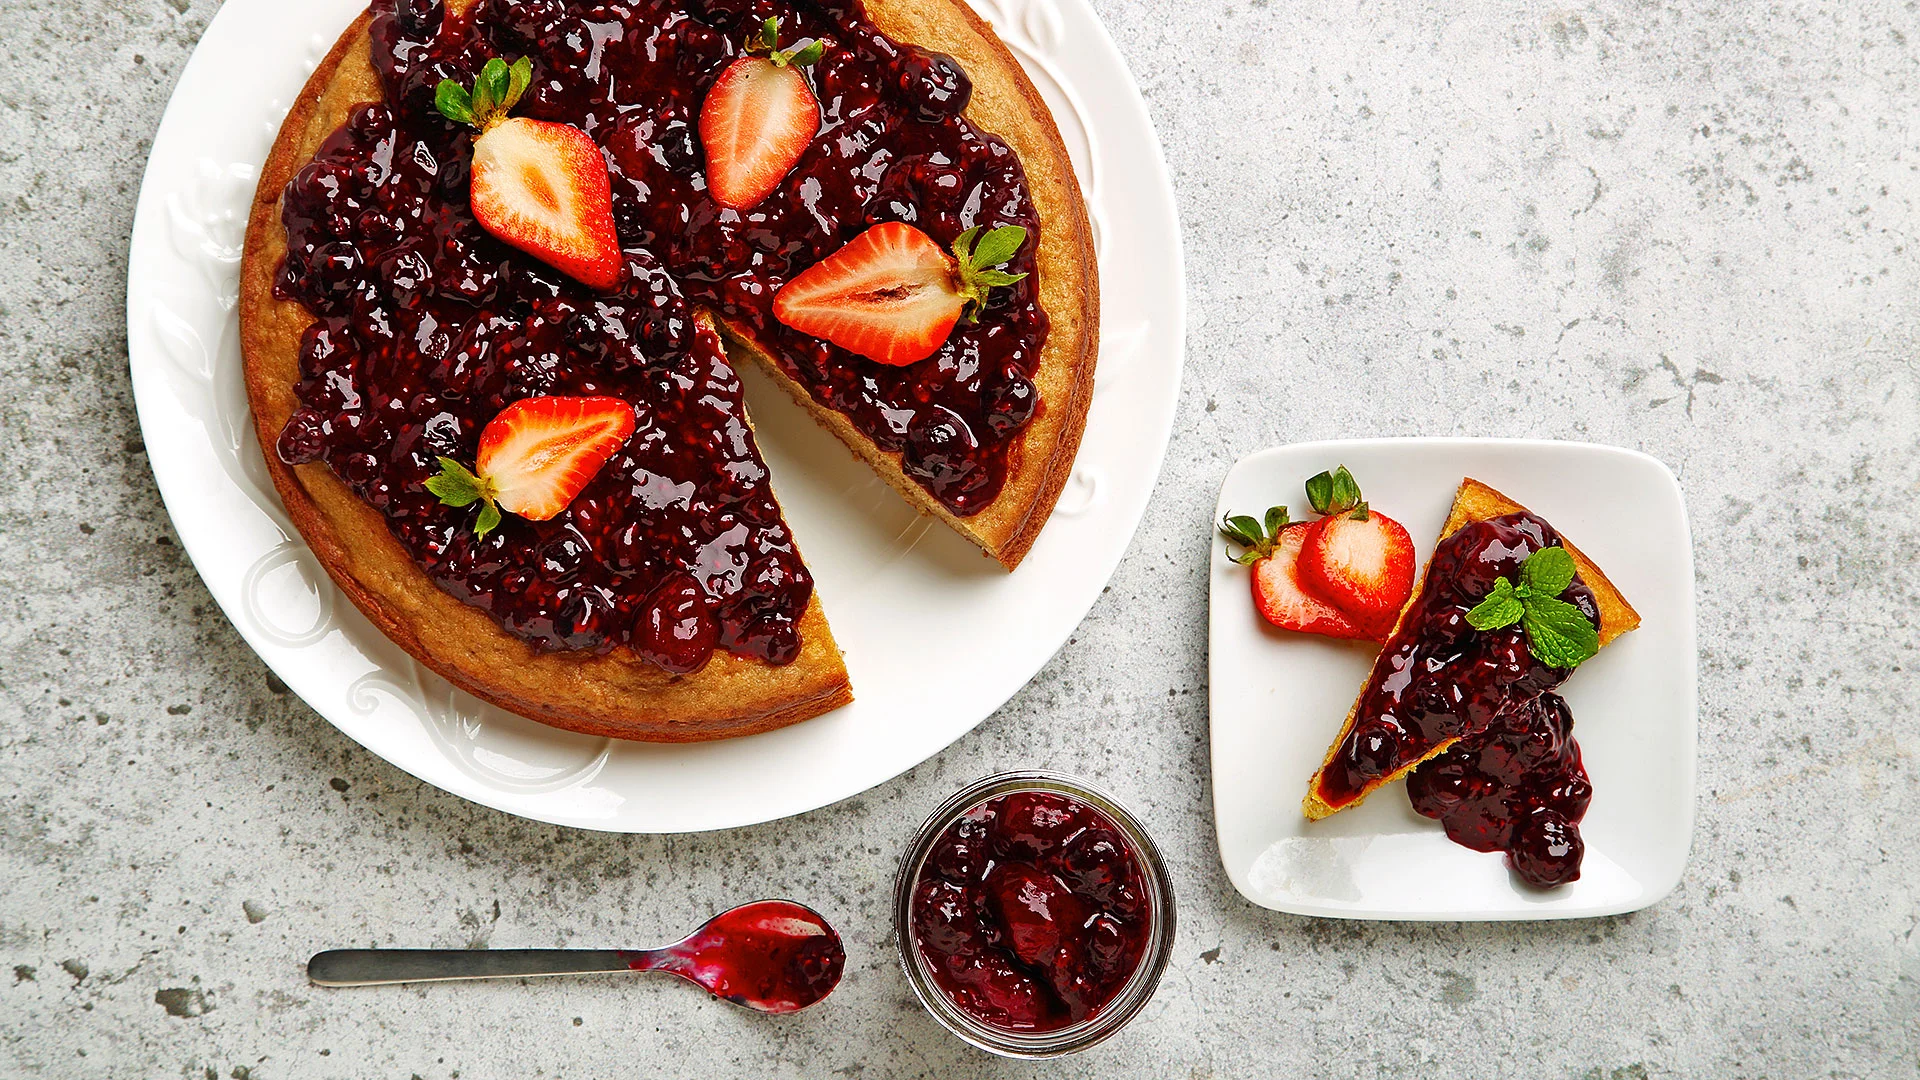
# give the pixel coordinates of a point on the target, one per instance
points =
(774, 955)
(1031, 912)
(1439, 678)
(1517, 787)
(892, 146)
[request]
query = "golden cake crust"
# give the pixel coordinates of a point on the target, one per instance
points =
(1474, 501)
(620, 694)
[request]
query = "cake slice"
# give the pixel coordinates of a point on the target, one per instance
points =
(1438, 678)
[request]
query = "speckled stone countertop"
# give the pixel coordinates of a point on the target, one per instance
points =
(1685, 228)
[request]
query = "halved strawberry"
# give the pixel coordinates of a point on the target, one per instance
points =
(541, 187)
(892, 295)
(536, 457)
(758, 119)
(1356, 558)
(1273, 551)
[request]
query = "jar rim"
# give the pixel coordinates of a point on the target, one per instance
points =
(1133, 995)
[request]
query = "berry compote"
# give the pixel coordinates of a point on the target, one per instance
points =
(1031, 912)
(772, 955)
(426, 326)
(1517, 787)
(1438, 678)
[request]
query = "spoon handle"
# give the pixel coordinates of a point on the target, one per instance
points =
(379, 967)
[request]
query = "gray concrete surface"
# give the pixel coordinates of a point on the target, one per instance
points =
(1687, 228)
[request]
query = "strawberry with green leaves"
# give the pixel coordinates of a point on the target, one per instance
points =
(892, 295)
(1558, 633)
(541, 187)
(1356, 558)
(535, 458)
(1272, 548)
(759, 118)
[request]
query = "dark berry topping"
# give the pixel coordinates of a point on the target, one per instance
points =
(1031, 912)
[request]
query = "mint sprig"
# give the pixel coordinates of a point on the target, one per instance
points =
(977, 257)
(459, 486)
(1255, 535)
(1558, 633)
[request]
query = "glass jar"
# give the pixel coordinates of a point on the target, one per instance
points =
(1133, 994)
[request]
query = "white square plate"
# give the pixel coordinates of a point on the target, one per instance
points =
(1279, 698)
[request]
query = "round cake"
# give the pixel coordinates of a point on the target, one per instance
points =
(384, 328)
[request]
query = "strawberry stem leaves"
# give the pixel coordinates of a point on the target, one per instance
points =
(458, 486)
(1255, 536)
(767, 41)
(978, 258)
(1336, 492)
(497, 89)
(1558, 633)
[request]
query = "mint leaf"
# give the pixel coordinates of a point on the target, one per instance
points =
(1558, 633)
(1547, 572)
(1502, 607)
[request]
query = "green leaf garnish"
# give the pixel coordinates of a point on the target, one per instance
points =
(496, 90)
(1502, 607)
(458, 486)
(1256, 537)
(1547, 572)
(1336, 492)
(977, 255)
(1558, 633)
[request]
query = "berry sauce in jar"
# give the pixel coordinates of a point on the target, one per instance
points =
(1031, 912)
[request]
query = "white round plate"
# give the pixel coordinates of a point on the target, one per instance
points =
(936, 637)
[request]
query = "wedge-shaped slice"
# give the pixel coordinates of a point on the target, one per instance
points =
(1438, 678)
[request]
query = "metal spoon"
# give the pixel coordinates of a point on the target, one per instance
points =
(773, 956)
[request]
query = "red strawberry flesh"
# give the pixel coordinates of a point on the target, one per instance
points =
(1281, 598)
(544, 189)
(755, 123)
(1363, 567)
(889, 295)
(540, 452)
